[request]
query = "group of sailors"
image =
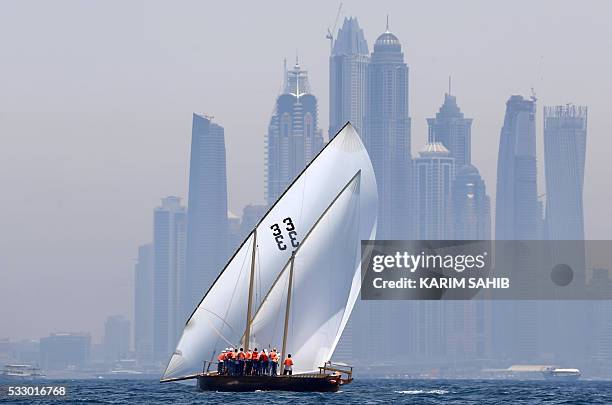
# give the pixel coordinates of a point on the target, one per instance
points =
(234, 361)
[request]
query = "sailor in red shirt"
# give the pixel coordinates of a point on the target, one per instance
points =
(263, 362)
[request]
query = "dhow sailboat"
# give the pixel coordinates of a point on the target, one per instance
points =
(293, 281)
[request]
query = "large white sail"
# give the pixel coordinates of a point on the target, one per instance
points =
(323, 270)
(220, 318)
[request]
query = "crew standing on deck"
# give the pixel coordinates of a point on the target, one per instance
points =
(229, 362)
(263, 361)
(288, 365)
(235, 362)
(273, 362)
(221, 359)
(248, 368)
(241, 358)
(255, 361)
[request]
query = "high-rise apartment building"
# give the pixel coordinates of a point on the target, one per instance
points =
(434, 174)
(387, 135)
(168, 275)
(348, 74)
(471, 205)
(143, 305)
(453, 130)
(517, 214)
(517, 217)
(294, 137)
(565, 133)
(207, 222)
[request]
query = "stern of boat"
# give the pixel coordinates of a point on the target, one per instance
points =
(342, 372)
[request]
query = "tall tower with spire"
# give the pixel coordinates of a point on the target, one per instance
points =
(387, 135)
(348, 73)
(294, 137)
(452, 129)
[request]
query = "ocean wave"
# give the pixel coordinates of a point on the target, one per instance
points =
(417, 392)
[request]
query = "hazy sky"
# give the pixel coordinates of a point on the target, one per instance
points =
(96, 100)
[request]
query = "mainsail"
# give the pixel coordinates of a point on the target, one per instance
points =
(219, 320)
(323, 269)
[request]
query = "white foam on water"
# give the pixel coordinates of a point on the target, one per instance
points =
(417, 392)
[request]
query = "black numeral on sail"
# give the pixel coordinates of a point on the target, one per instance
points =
(292, 233)
(278, 234)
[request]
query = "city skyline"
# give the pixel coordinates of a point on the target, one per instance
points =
(162, 189)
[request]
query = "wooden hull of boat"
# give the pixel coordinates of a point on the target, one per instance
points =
(298, 383)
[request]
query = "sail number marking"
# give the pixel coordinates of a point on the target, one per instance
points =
(280, 238)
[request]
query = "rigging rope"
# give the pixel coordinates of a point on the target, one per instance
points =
(219, 333)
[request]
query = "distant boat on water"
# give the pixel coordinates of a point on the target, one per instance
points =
(567, 374)
(534, 372)
(20, 373)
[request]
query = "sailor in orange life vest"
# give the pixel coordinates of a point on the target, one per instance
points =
(249, 363)
(229, 361)
(288, 365)
(234, 362)
(241, 359)
(221, 359)
(273, 362)
(255, 362)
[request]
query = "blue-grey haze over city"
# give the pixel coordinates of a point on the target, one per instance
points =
(96, 127)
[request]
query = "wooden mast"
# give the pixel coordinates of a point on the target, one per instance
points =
(247, 331)
(287, 309)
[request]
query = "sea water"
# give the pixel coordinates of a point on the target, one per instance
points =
(371, 391)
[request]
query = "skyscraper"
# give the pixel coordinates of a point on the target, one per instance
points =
(294, 137)
(565, 131)
(517, 214)
(471, 205)
(348, 82)
(517, 217)
(387, 135)
(469, 322)
(434, 174)
(348, 73)
(600, 328)
(116, 338)
(206, 211)
(168, 275)
(450, 128)
(143, 305)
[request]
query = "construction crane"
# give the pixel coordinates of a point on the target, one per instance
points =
(331, 31)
